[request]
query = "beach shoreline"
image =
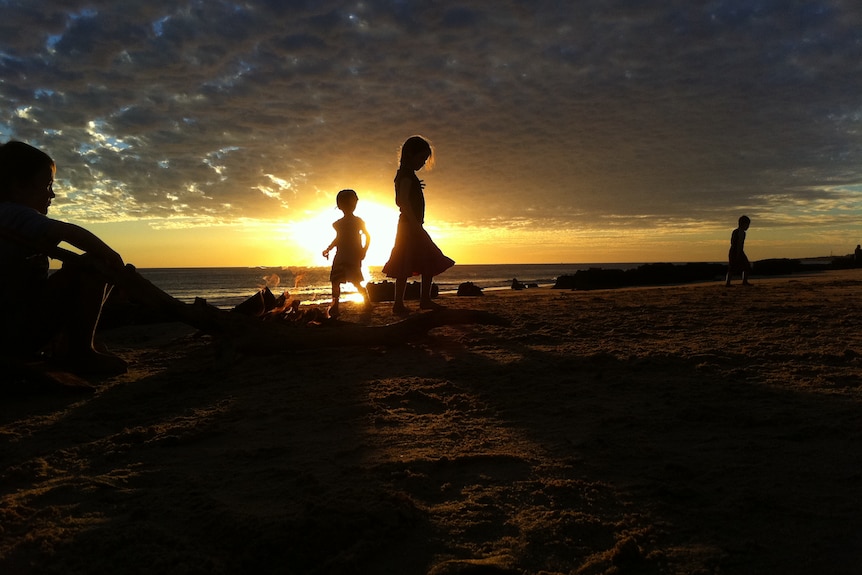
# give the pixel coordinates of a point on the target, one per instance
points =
(675, 429)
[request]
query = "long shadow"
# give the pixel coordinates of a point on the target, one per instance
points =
(249, 467)
(273, 465)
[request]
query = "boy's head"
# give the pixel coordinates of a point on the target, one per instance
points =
(744, 222)
(346, 200)
(26, 175)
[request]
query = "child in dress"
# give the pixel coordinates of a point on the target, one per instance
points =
(41, 312)
(347, 263)
(737, 260)
(414, 252)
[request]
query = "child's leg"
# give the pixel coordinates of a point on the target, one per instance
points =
(400, 287)
(425, 297)
(336, 296)
(364, 292)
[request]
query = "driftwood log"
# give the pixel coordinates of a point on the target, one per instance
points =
(255, 336)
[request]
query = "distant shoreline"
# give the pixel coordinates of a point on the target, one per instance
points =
(657, 274)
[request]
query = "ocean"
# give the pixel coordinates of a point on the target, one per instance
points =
(226, 287)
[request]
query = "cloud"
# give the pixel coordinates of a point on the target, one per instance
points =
(570, 113)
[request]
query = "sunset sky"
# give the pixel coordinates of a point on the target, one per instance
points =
(212, 133)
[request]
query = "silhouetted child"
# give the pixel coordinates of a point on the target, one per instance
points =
(737, 260)
(347, 263)
(43, 313)
(414, 252)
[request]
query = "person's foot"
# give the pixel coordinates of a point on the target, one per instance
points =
(333, 312)
(746, 283)
(428, 304)
(400, 309)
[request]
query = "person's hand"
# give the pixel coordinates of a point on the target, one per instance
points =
(326, 253)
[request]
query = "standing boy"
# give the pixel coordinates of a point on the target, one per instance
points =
(347, 264)
(737, 260)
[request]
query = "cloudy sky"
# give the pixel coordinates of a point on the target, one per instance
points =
(208, 132)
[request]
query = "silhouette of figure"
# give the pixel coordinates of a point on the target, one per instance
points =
(33, 321)
(737, 260)
(347, 263)
(414, 252)
(857, 255)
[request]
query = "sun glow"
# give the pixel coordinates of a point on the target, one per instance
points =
(315, 233)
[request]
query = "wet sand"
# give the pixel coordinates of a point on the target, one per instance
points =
(687, 429)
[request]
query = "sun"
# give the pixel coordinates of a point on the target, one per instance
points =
(311, 235)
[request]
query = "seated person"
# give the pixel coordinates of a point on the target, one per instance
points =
(44, 313)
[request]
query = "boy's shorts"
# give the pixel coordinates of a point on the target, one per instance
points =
(346, 272)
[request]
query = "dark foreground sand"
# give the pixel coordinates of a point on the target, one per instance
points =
(691, 429)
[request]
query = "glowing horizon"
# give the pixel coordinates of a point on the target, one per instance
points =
(272, 244)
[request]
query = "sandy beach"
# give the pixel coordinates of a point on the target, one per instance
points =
(691, 429)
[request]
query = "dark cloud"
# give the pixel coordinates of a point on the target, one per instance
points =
(579, 111)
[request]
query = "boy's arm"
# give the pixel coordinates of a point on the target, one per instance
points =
(736, 240)
(85, 241)
(329, 247)
(333, 243)
(364, 230)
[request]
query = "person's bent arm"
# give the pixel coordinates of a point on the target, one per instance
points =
(86, 241)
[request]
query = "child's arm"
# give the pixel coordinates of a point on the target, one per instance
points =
(735, 243)
(364, 231)
(334, 242)
(329, 248)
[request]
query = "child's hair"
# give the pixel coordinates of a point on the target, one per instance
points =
(20, 162)
(344, 196)
(415, 145)
(744, 220)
